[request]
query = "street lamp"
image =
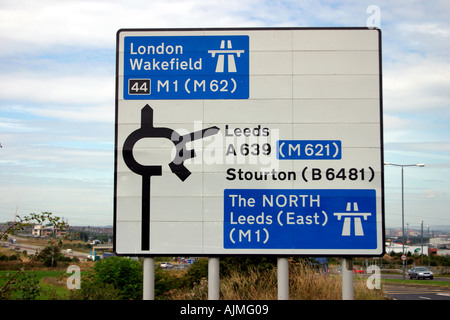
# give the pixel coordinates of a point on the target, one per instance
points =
(421, 240)
(403, 204)
(428, 247)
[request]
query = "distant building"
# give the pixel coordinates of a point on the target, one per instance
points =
(398, 248)
(48, 230)
(442, 241)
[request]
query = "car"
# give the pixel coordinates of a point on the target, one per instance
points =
(167, 265)
(356, 270)
(420, 273)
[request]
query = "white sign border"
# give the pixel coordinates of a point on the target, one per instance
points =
(259, 252)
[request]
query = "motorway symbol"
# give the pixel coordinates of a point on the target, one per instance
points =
(347, 219)
(221, 56)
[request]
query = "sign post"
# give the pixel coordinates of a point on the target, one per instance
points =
(149, 278)
(213, 278)
(249, 142)
(283, 278)
(347, 279)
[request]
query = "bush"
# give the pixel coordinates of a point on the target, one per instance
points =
(123, 273)
(242, 264)
(24, 286)
(112, 279)
(196, 273)
(12, 257)
(305, 283)
(92, 290)
(165, 282)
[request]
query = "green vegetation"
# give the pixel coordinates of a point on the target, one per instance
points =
(242, 278)
(393, 259)
(43, 276)
(113, 278)
(26, 284)
(34, 285)
(418, 282)
(257, 280)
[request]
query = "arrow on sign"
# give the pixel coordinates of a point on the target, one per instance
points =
(148, 130)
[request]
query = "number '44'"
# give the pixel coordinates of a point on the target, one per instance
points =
(140, 87)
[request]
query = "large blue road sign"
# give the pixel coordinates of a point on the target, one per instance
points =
(186, 67)
(300, 219)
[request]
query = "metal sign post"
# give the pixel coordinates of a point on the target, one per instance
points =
(213, 278)
(283, 278)
(149, 278)
(347, 278)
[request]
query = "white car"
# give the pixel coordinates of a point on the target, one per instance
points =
(420, 273)
(166, 265)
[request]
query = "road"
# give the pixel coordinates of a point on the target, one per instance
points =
(399, 276)
(31, 249)
(411, 292)
(425, 291)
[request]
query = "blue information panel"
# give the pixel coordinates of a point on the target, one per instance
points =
(309, 150)
(186, 67)
(299, 219)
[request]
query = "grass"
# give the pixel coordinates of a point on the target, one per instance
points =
(52, 283)
(55, 285)
(419, 282)
(304, 284)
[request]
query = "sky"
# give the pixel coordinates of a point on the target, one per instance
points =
(57, 91)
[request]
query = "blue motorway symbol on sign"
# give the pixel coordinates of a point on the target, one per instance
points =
(186, 67)
(300, 219)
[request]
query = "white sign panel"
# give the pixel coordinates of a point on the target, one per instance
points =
(249, 141)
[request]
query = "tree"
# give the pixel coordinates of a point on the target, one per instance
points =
(13, 282)
(112, 278)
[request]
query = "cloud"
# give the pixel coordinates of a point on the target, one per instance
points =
(395, 122)
(57, 86)
(416, 67)
(417, 84)
(65, 90)
(432, 194)
(49, 25)
(439, 31)
(29, 25)
(439, 150)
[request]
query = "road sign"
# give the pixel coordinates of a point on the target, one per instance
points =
(249, 141)
(299, 219)
(186, 67)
